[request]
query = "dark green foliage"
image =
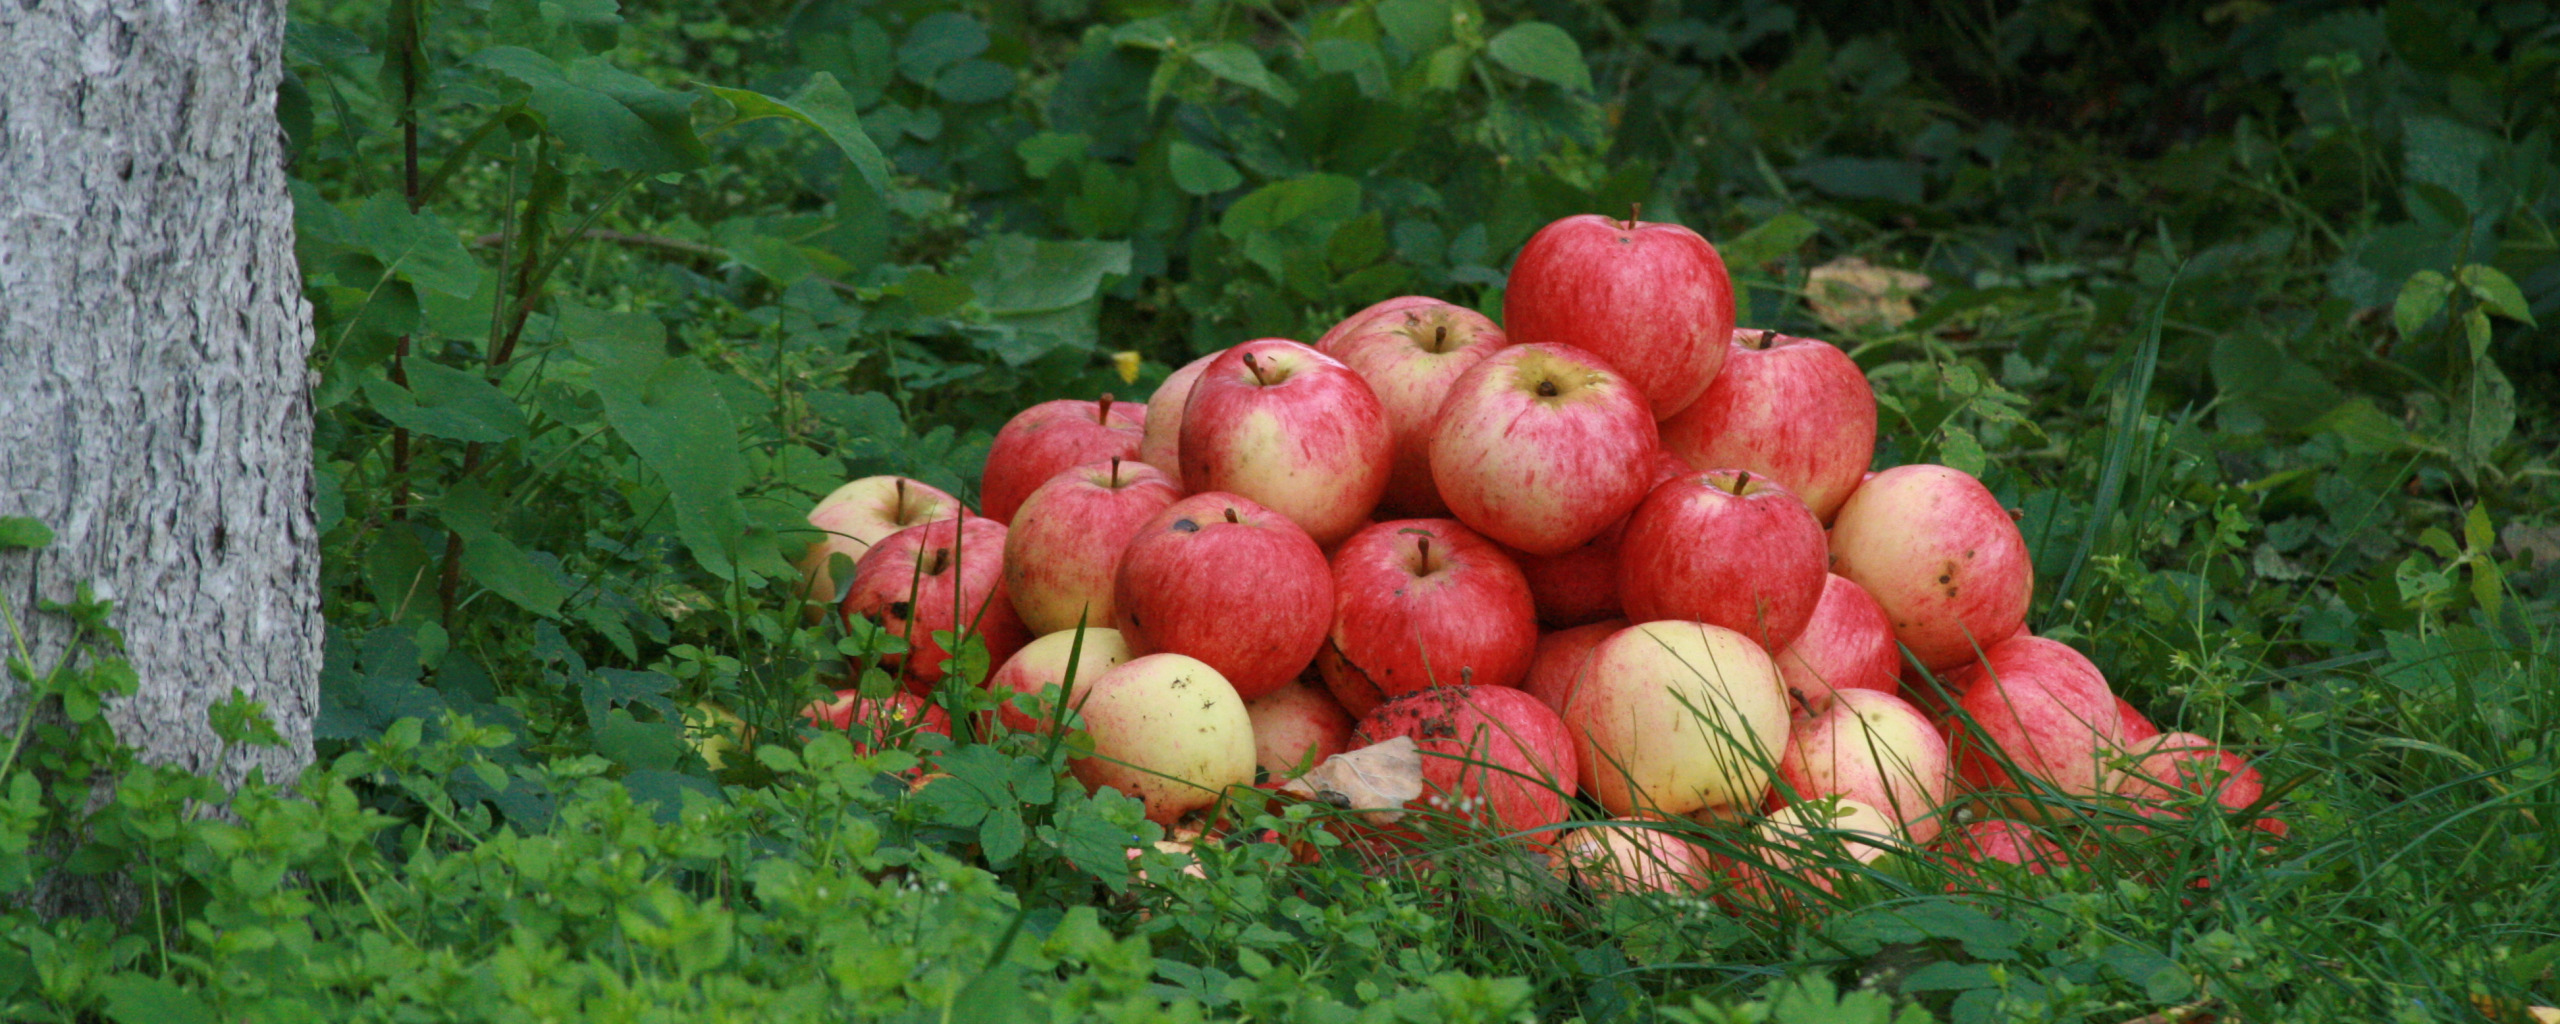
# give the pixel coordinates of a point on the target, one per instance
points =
(2243, 306)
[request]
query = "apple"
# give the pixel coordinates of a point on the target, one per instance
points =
(1291, 428)
(1794, 409)
(1161, 444)
(1050, 438)
(1876, 749)
(1410, 355)
(2040, 706)
(1490, 754)
(1420, 603)
(1941, 556)
(1581, 585)
(1997, 840)
(1557, 664)
(1168, 730)
(1541, 447)
(1630, 855)
(1848, 644)
(2179, 767)
(2136, 728)
(1653, 300)
(1297, 727)
(1057, 659)
(1727, 548)
(857, 515)
(888, 719)
(1814, 843)
(941, 576)
(1220, 578)
(1062, 553)
(1374, 310)
(1674, 717)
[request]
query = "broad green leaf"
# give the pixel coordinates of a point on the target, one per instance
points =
(1237, 63)
(142, 999)
(1200, 172)
(419, 247)
(1293, 216)
(938, 42)
(2484, 411)
(1542, 51)
(2365, 429)
(24, 532)
(622, 120)
(974, 81)
(1416, 25)
(1769, 242)
(1358, 58)
(1958, 448)
(607, 689)
(445, 402)
(1861, 178)
(2495, 290)
(1042, 295)
(2420, 300)
(638, 745)
(671, 413)
(2447, 154)
(1042, 154)
(822, 104)
(495, 562)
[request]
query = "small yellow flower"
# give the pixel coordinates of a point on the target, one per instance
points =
(1127, 364)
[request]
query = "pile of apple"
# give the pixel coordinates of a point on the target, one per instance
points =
(1613, 546)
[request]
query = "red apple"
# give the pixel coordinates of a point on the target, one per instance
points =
(1297, 727)
(1420, 603)
(1168, 730)
(1814, 843)
(1161, 445)
(1225, 580)
(1410, 355)
(1875, 749)
(1727, 548)
(1672, 718)
(1541, 447)
(1795, 409)
(1376, 309)
(2137, 729)
(1997, 840)
(942, 576)
(889, 719)
(1847, 645)
(1291, 428)
(1559, 660)
(2177, 767)
(1581, 585)
(1939, 553)
(1490, 754)
(1633, 854)
(2038, 705)
(857, 515)
(1059, 659)
(1653, 300)
(1062, 553)
(1050, 438)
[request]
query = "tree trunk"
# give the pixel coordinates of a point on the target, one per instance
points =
(154, 403)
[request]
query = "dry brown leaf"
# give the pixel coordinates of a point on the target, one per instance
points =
(1377, 780)
(1850, 293)
(2543, 541)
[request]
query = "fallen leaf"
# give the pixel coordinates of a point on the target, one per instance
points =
(1376, 780)
(1850, 293)
(2543, 541)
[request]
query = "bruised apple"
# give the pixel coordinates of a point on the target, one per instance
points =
(1848, 645)
(942, 576)
(1941, 556)
(1420, 603)
(1490, 754)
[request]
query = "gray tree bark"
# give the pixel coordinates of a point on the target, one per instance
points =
(154, 406)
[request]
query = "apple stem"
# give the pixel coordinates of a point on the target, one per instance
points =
(1634, 211)
(1231, 512)
(1255, 366)
(1423, 544)
(1103, 413)
(1761, 341)
(1115, 462)
(941, 561)
(1440, 338)
(1547, 389)
(1741, 479)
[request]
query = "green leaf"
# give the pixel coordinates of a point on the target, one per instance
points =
(419, 247)
(664, 790)
(142, 999)
(1292, 216)
(1416, 25)
(822, 104)
(2485, 410)
(2496, 290)
(495, 562)
(24, 532)
(1042, 154)
(671, 413)
(1237, 63)
(937, 42)
(622, 120)
(1200, 172)
(1041, 295)
(441, 401)
(1544, 52)
(1958, 448)
(974, 81)
(1862, 178)
(2421, 298)
(1768, 242)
